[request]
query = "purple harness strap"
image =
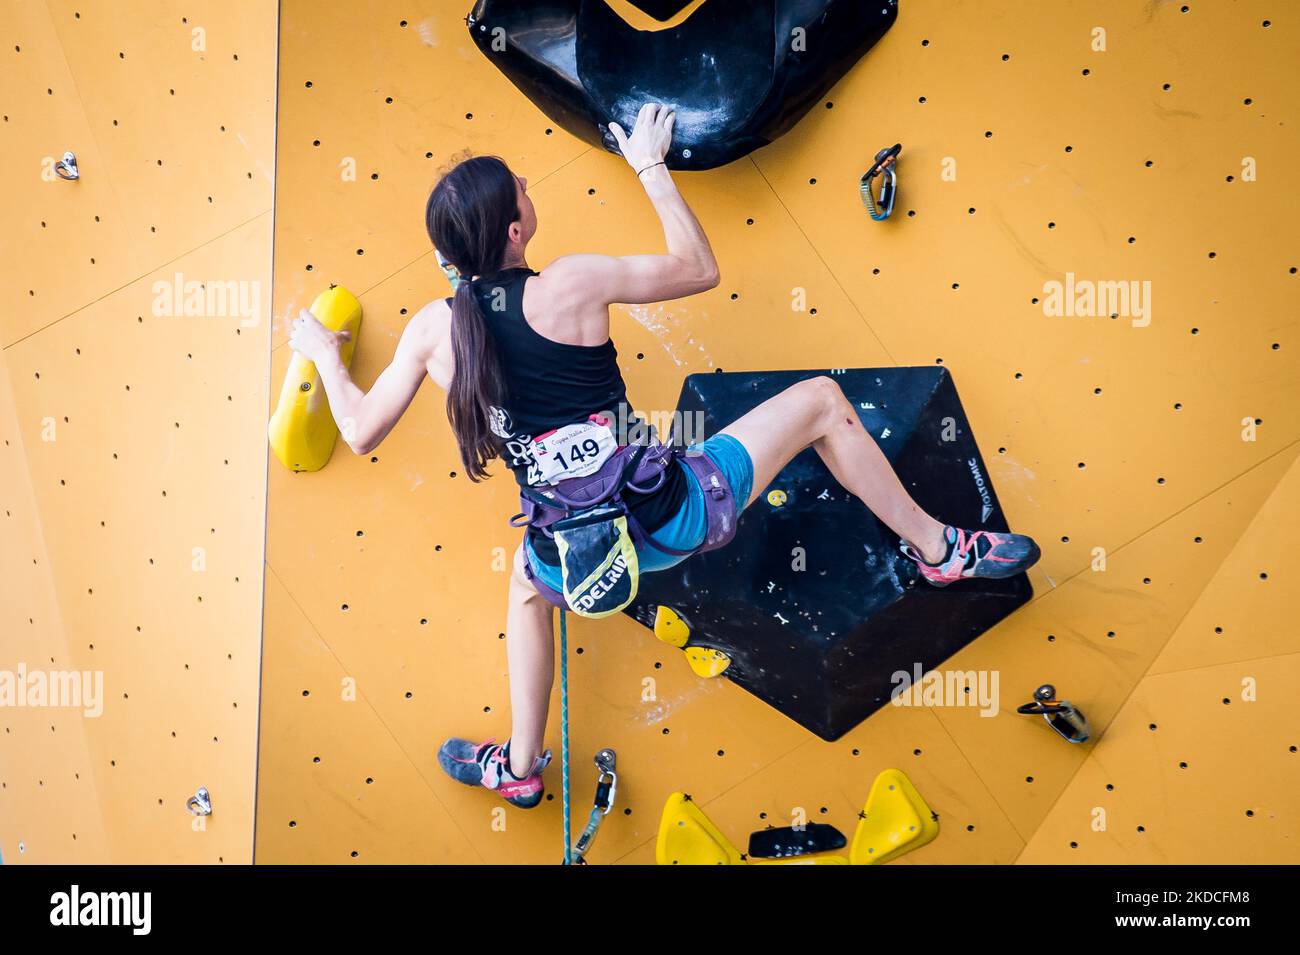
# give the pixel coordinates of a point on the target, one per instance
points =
(545, 589)
(719, 505)
(543, 506)
(719, 508)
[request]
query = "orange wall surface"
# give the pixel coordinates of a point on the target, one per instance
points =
(132, 470)
(1028, 154)
(300, 644)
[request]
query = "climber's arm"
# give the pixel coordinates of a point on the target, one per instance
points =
(687, 267)
(366, 417)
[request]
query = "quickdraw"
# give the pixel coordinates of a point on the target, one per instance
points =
(606, 789)
(881, 208)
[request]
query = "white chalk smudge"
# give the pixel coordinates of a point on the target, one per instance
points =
(655, 320)
(649, 318)
(1012, 472)
(660, 710)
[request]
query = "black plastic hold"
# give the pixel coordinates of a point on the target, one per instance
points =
(790, 841)
(739, 73)
(813, 602)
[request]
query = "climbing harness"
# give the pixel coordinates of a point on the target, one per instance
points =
(66, 168)
(882, 207)
(1061, 715)
(584, 508)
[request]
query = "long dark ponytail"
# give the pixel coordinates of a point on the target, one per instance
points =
(467, 216)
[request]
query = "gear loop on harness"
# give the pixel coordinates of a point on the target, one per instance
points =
(658, 483)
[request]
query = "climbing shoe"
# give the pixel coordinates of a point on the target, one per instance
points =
(977, 554)
(488, 765)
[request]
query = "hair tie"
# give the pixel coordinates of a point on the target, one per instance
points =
(651, 166)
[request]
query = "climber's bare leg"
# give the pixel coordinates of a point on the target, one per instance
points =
(815, 412)
(530, 653)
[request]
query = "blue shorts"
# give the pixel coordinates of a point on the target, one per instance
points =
(686, 530)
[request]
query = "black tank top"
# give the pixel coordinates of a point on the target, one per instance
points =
(551, 384)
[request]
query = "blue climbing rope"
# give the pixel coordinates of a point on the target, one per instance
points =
(564, 731)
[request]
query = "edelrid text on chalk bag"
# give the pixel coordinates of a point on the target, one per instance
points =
(598, 560)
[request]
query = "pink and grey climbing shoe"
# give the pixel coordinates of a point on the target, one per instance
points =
(993, 554)
(488, 765)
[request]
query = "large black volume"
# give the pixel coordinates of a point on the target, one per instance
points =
(739, 73)
(812, 601)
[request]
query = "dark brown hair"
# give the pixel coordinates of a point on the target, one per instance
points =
(467, 216)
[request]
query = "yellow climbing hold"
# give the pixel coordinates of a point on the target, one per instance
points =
(706, 661)
(674, 631)
(776, 498)
(302, 430)
(687, 837)
(896, 820)
(670, 628)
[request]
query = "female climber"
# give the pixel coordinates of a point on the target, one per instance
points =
(532, 377)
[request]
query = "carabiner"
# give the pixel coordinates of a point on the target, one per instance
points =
(1061, 715)
(880, 209)
(606, 787)
(606, 762)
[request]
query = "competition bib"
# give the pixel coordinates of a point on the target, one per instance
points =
(575, 450)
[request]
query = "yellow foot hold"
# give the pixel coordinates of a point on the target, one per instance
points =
(896, 820)
(675, 631)
(670, 628)
(706, 661)
(302, 430)
(687, 837)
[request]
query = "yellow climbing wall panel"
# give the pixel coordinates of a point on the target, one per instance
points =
(1107, 141)
(134, 318)
(45, 790)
